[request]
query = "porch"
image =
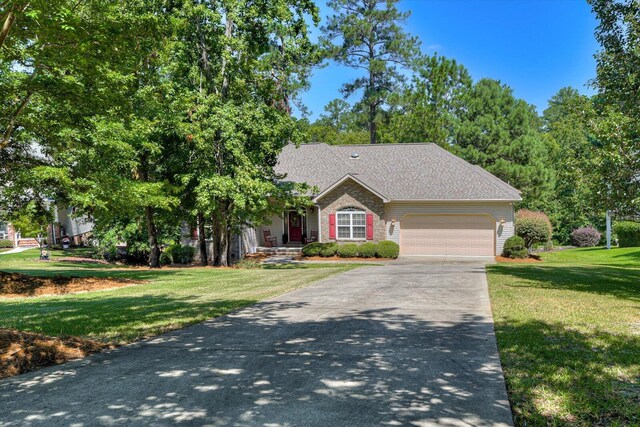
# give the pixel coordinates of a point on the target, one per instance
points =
(291, 230)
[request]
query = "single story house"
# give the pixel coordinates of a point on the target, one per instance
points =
(420, 196)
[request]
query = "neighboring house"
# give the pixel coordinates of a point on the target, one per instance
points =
(67, 224)
(420, 196)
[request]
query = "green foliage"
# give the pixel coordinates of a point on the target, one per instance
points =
(533, 227)
(249, 264)
(105, 243)
(328, 249)
(180, 254)
(628, 233)
(368, 250)
(312, 249)
(388, 249)
(567, 122)
(367, 35)
(515, 248)
(32, 219)
(166, 258)
(616, 163)
(5, 243)
(428, 109)
(348, 250)
(502, 134)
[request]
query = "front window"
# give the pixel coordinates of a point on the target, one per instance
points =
(352, 224)
(3, 231)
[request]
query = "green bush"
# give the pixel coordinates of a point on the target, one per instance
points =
(628, 233)
(368, 250)
(515, 248)
(388, 249)
(166, 258)
(312, 249)
(328, 249)
(4, 243)
(348, 250)
(249, 264)
(533, 227)
(180, 254)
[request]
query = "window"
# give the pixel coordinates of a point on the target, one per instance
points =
(3, 231)
(352, 224)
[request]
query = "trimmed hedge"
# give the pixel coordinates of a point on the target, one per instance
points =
(349, 250)
(584, 237)
(5, 243)
(515, 248)
(628, 233)
(367, 250)
(388, 249)
(328, 249)
(312, 249)
(533, 227)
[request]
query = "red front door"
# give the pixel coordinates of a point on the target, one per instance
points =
(295, 227)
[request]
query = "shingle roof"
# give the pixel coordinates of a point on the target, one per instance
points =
(397, 171)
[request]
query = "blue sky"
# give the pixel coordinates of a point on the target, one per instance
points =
(534, 46)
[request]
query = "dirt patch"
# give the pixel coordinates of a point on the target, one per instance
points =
(337, 258)
(22, 352)
(15, 285)
(519, 260)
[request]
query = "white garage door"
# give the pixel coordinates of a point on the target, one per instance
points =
(461, 235)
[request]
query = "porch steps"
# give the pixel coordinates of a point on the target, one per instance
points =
(280, 250)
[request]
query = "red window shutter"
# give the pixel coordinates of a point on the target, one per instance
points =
(369, 226)
(332, 226)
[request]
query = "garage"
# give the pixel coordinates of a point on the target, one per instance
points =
(454, 235)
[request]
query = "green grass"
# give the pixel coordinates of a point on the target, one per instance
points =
(174, 298)
(568, 332)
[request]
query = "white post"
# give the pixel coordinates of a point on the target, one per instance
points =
(608, 229)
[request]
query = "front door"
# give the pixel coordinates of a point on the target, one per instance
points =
(295, 227)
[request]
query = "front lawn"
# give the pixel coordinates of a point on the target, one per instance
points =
(568, 332)
(174, 298)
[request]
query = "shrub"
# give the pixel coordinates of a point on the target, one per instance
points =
(166, 258)
(533, 227)
(4, 243)
(514, 247)
(628, 233)
(180, 254)
(368, 250)
(249, 264)
(388, 249)
(328, 249)
(312, 249)
(348, 250)
(585, 236)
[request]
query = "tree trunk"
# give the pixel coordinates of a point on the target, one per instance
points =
(202, 240)
(372, 123)
(10, 19)
(154, 249)
(220, 242)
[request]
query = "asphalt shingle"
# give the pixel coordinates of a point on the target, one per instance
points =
(397, 171)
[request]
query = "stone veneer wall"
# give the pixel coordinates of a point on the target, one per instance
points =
(350, 194)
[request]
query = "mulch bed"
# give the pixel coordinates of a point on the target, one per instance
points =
(22, 352)
(15, 285)
(80, 260)
(532, 258)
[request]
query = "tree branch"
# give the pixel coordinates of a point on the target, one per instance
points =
(12, 123)
(10, 20)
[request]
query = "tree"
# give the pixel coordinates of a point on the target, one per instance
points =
(237, 68)
(367, 35)
(502, 134)
(33, 220)
(617, 163)
(567, 122)
(428, 109)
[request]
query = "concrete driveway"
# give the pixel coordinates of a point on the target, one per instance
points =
(410, 343)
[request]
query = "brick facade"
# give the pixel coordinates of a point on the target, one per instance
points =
(350, 194)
